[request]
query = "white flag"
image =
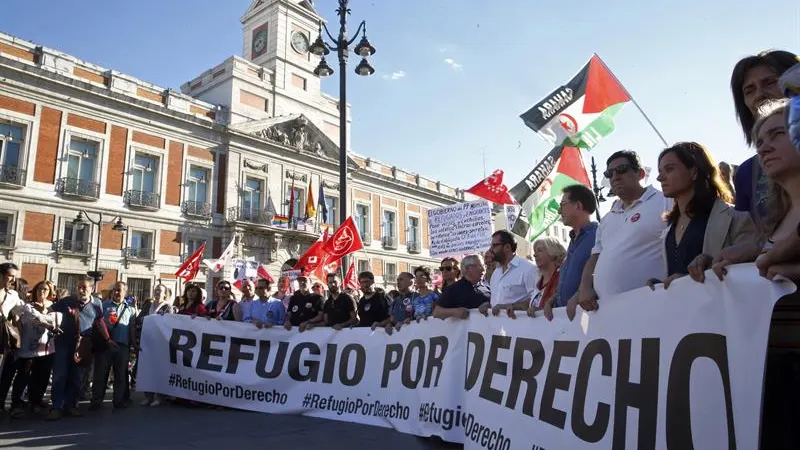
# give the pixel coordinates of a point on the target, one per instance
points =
(224, 258)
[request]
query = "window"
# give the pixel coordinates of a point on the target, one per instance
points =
(413, 233)
(362, 222)
(82, 159)
(563, 234)
(75, 238)
(139, 289)
(299, 210)
(251, 198)
(69, 281)
(389, 229)
(145, 173)
(363, 266)
(197, 185)
(141, 245)
(299, 82)
(331, 203)
(191, 246)
(12, 138)
(6, 227)
(390, 272)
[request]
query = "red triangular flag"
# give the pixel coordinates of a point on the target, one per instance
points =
(571, 165)
(312, 258)
(262, 273)
(350, 277)
(602, 88)
(344, 241)
(493, 189)
(191, 266)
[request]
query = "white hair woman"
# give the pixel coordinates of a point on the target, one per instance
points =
(548, 254)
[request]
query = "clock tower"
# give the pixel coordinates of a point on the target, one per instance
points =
(277, 34)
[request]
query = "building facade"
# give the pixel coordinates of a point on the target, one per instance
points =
(213, 162)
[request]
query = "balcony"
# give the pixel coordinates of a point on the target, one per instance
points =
(237, 214)
(12, 176)
(414, 247)
(143, 199)
(389, 242)
(196, 209)
(6, 240)
(75, 187)
(65, 247)
(139, 255)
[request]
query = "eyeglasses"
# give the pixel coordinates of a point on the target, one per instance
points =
(446, 268)
(621, 169)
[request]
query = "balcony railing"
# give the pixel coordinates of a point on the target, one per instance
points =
(6, 240)
(78, 188)
(413, 247)
(12, 175)
(139, 253)
(143, 199)
(366, 238)
(64, 246)
(249, 215)
(196, 209)
(389, 242)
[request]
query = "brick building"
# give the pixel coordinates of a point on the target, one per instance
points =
(181, 168)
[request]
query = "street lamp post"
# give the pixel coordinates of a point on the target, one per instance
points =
(341, 45)
(598, 190)
(80, 222)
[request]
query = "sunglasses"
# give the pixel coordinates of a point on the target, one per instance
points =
(224, 288)
(621, 169)
(446, 268)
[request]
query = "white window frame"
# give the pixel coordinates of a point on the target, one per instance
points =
(187, 248)
(368, 230)
(159, 165)
(12, 224)
(188, 163)
(386, 265)
(358, 268)
(384, 210)
(418, 234)
(153, 237)
(99, 139)
(25, 121)
(23, 148)
(333, 216)
(287, 197)
(262, 201)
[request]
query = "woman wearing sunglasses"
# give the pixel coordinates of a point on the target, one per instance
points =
(224, 307)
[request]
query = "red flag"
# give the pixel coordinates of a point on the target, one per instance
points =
(262, 273)
(344, 241)
(493, 189)
(191, 266)
(311, 259)
(350, 277)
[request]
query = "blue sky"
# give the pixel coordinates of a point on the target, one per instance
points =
(454, 75)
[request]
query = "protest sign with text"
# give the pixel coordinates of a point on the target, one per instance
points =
(460, 228)
(681, 368)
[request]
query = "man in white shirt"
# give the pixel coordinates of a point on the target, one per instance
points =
(627, 251)
(514, 278)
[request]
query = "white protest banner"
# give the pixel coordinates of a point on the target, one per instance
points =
(681, 368)
(354, 375)
(512, 212)
(460, 228)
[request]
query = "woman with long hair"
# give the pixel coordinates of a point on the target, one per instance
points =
(754, 81)
(193, 301)
(701, 222)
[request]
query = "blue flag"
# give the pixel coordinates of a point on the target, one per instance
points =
(323, 207)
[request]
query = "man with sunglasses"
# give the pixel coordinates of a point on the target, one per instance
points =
(627, 250)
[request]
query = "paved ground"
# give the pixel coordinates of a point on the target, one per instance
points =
(175, 428)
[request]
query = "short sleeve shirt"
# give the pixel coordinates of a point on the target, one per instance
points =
(372, 309)
(630, 245)
(338, 308)
(402, 308)
(463, 294)
(304, 307)
(423, 304)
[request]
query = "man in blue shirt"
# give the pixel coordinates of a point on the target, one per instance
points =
(578, 203)
(120, 320)
(265, 313)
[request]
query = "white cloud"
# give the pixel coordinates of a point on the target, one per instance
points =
(454, 65)
(396, 75)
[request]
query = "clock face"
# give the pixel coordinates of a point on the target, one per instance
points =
(259, 42)
(299, 42)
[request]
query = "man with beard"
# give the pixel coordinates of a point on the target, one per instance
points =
(339, 309)
(373, 308)
(514, 278)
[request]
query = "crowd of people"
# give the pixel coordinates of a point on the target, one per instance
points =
(705, 216)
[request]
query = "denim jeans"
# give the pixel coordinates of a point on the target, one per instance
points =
(66, 378)
(115, 359)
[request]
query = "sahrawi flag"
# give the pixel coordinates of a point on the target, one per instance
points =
(545, 202)
(580, 113)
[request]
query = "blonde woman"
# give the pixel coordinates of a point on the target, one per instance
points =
(548, 255)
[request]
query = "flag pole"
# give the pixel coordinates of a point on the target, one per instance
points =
(635, 103)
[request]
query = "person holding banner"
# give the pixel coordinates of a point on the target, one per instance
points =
(401, 308)
(305, 308)
(470, 292)
(266, 312)
(627, 251)
(193, 298)
(701, 222)
(339, 309)
(514, 279)
(225, 307)
(373, 308)
(422, 303)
